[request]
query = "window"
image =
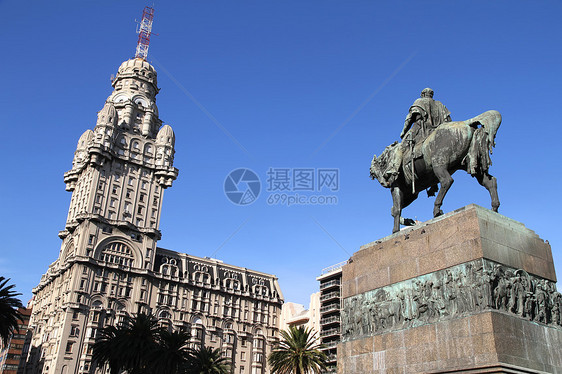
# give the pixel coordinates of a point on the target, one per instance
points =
(155, 201)
(117, 253)
(74, 330)
(131, 181)
(143, 185)
(112, 202)
(139, 209)
(69, 347)
(91, 239)
(129, 194)
(75, 314)
(243, 356)
(115, 189)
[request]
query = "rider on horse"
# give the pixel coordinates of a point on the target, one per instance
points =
(424, 116)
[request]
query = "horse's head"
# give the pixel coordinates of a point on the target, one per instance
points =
(380, 164)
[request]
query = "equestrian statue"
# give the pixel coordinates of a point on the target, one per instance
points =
(432, 148)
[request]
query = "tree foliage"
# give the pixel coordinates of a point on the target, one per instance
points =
(297, 353)
(207, 360)
(140, 346)
(9, 314)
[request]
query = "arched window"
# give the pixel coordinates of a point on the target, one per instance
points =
(117, 253)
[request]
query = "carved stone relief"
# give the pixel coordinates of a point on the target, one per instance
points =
(460, 290)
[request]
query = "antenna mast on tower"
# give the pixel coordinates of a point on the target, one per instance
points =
(144, 30)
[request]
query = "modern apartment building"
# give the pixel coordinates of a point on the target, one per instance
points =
(12, 356)
(293, 314)
(330, 311)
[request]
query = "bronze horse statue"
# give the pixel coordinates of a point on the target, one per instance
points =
(463, 145)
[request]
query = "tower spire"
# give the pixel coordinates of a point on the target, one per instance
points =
(144, 31)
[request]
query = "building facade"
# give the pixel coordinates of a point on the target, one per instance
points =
(12, 356)
(293, 314)
(109, 264)
(330, 312)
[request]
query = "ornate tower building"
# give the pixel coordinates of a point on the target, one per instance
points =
(109, 264)
(119, 173)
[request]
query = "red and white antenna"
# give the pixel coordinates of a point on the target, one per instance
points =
(144, 30)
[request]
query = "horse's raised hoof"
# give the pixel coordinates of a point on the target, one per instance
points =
(437, 212)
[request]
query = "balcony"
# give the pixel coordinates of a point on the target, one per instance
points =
(333, 267)
(332, 283)
(328, 320)
(330, 296)
(330, 345)
(330, 308)
(331, 332)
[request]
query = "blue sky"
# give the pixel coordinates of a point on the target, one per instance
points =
(296, 84)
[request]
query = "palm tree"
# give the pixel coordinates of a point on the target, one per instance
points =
(298, 353)
(9, 314)
(172, 355)
(106, 349)
(141, 334)
(207, 360)
(130, 346)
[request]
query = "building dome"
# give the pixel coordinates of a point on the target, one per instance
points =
(137, 68)
(85, 140)
(108, 115)
(166, 136)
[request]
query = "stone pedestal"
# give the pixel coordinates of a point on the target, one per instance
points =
(471, 291)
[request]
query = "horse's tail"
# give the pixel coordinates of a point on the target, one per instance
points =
(490, 121)
(478, 158)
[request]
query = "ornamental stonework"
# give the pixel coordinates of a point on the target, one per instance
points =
(460, 290)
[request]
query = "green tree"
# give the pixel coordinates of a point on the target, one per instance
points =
(172, 354)
(9, 314)
(297, 353)
(207, 360)
(129, 346)
(108, 346)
